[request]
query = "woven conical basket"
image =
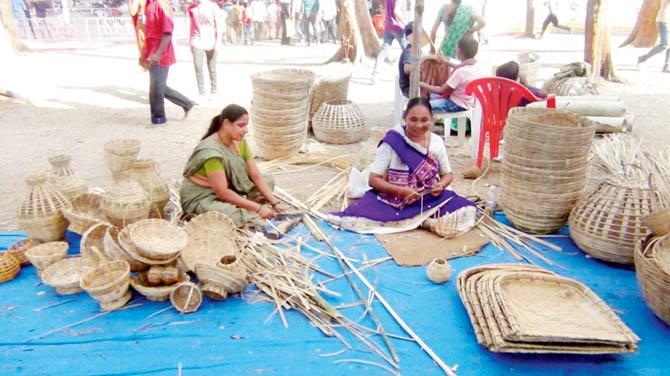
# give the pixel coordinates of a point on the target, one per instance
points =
(64, 179)
(39, 214)
(120, 154)
(607, 223)
(147, 173)
(339, 122)
(125, 202)
(544, 167)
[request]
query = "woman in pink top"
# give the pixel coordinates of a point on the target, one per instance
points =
(206, 27)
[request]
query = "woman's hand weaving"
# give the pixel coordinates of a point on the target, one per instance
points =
(437, 189)
(411, 195)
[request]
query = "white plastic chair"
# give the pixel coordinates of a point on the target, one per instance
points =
(461, 117)
(399, 102)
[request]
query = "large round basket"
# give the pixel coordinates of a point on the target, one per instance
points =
(158, 239)
(65, 274)
(186, 297)
(120, 154)
(129, 247)
(654, 282)
(84, 213)
(9, 267)
(19, 248)
(545, 167)
(339, 122)
(114, 251)
(607, 223)
(39, 214)
(45, 254)
(280, 110)
(327, 88)
(155, 293)
(108, 284)
(210, 236)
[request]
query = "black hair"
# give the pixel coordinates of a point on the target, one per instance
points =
(409, 28)
(509, 70)
(469, 47)
(418, 101)
(231, 112)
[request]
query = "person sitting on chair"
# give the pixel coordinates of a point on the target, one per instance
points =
(510, 70)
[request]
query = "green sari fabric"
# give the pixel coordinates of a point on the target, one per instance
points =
(461, 23)
(197, 200)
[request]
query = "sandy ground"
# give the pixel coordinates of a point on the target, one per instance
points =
(80, 96)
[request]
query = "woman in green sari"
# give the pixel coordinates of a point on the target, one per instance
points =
(221, 174)
(459, 20)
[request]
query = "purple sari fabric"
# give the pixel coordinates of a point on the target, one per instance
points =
(423, 173)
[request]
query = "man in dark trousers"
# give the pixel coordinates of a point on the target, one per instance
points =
(284, 14)
(159, 55)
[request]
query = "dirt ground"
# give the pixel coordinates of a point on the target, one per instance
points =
(79, 96)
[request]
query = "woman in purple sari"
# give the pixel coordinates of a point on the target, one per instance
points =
(409, 178)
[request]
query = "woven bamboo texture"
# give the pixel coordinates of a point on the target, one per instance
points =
(503, 305)
(210, 236)
(186, 297)
(607, 223)
(366, 154)
(114, 251)
(339, 122)
(65, 274)
(39, 213)
(45, 254)
(571, 86)
(438, 270)
(84, 213)
(545, 167)
(9, 267)
(158, 239)
(120, 154)
(125, 202)
(155, 293)
(147, 173)
(280, 110)
(93, 237)
(64, 179)
(19, 248)
(131, 250)
(662, 255)
(332, 87)
(108, 284)
(653, 281)
(658, 222)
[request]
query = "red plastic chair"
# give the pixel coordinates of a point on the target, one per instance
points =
(496, 96)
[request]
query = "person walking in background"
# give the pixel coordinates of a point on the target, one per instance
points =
(159, 55)
(662, 21)
(205, 37)
(552, 19)
(259, 15)
(394, 29)
(41, 13)
(328, 13)
(296, 9)
(459, 20)
(284, 14)
(248, 25)
(273, 18)
(309, 12)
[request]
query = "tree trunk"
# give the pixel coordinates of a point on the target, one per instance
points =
(530, 19)
(597, 51)
(417, 35)
(9, 23)
(645, 32)
(358, 34)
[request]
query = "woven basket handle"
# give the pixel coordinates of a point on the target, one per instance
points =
(102, 258)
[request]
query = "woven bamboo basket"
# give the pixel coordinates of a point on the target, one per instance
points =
(544, 175)
(45, 254)
(368, 150)
(232, 265)
(339, 122)
(84, 213)
(607, 223)
(217, 283)
(64, 179)
(571, 86)
(333, 87)
(19, 248)
(131, 250)
(120, 154)
(65, 274)
(147, 173)
(210, 236)
(158, 239)
(529, 67)
(114, 251)
(654, 282)
(125, 202)
(39, 214)
(108, 283)
(280, 111)
(438, 270)
(155, 293)
(662, 256)
(9, 267)
(186, 297)
(658, 222)
(93, 237)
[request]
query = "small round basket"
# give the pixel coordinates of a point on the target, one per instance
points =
(658, 222)
(120, 154)
(114, 251)
(65, 274)
(438, 270)
(9, 267)
(129, 247)
(220, 280)
(155, 293)
(108, 284)
(340, 122)
(84, 213)
(186, 297)
(158, 239)
(45, 254)
(654, 282)
(19, 248)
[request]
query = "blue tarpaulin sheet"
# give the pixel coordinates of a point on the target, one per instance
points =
(236, 335)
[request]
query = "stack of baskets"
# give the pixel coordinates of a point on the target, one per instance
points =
(545, 163)
(607, 223)
(339, 122)
(332, 87)
(280, 110)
